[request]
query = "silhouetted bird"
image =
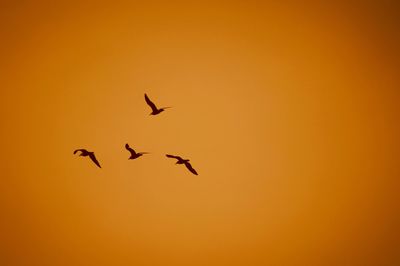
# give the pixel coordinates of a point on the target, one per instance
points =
(134, 154)
(88, 153)
(155, 110)
(183, 161)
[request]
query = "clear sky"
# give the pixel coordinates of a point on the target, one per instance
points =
(289, 112)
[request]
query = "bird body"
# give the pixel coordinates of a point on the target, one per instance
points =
(183, 161)
(134, 155)
(91, 155)
(154, 109)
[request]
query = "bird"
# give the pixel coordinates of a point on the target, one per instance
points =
(134, 155)
(90, 154)
(155, 110)
(183, 161)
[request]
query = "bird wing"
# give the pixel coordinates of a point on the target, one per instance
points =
(189, 166)
(129, 148)
(94, 159)
(173, 156)
(82, 150)
(150, 103)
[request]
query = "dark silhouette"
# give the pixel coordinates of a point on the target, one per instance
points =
(88, 153)
(155, 110)
(134, 155)
(183, 161)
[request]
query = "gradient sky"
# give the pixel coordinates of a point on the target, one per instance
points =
(289, 112)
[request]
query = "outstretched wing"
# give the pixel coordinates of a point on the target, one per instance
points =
(130, 149)
(94, 159)
(150, 103)
(173, 156)
(82, 150)
(189, 166)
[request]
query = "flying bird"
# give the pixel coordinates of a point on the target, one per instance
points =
(88, 153)
(134, 155)
(183, 161)
(155, 110)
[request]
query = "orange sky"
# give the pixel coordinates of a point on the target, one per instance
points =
(288, 111)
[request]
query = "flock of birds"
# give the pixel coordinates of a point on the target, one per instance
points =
(134, 155)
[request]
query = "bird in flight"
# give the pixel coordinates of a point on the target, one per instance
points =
(183, 161)
(88, 153)
(155, 110)
(134, 155)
